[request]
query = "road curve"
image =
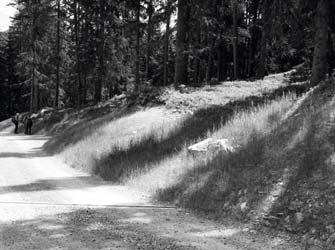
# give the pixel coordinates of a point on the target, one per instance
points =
(45, 204)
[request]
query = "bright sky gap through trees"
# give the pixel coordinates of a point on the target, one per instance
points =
(6, 12)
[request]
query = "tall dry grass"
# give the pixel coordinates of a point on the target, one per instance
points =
(260, 120)
(244, 129)
(120, 134)
(148, 149)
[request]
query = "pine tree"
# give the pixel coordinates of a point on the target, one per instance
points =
(321, 45)
(181, 65)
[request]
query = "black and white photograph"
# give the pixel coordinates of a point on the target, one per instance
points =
(167, 124)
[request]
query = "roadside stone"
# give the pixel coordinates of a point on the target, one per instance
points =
(211, 145)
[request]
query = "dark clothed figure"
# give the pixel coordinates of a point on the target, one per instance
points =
(25, 123)
(15, 120)
(29, 125)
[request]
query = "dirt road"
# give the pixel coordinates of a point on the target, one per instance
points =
(44, 204)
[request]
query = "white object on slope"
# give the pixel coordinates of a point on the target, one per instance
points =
(211, 145)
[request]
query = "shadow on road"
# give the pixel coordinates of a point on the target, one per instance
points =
(85, 229)
(55, 184)
(130, 228)
(28, 138)
(32, 154)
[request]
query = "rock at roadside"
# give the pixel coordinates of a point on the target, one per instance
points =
(211, 145)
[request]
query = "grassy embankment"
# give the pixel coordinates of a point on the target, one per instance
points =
(282, 173)
(147, 148)
(282, 169)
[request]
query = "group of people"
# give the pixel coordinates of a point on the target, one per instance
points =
(27, 122)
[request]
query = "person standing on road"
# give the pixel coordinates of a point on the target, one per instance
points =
(15, 120)
(29, 125)
(25, 124)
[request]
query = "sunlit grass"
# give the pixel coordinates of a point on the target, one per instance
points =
(120, 134)
(257, 120)
(147, 149)
(241, 129)
(220, 94)
(155, 125)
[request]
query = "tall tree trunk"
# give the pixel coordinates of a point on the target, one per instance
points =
(166, 43)
(78, 67)
(101, 57)
(222, 70)
(211, 39)
(197, 58)
(33, 95)
(321, 44)
(267, 24)
(138, 46)
(58, 55)
(84, 95)
(147, 64)
(213, 5)
(210, 64)
(331, 54)
(181, 65)
(235, 39)
(253, 41)
(34, 81)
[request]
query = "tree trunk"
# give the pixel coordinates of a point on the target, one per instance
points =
(166, 43)
(150, 13)
(182, 43)
(84, 94)
(222, 70)
(210, 64)
(235, 39)
(101, 52)
(265, 36)
(211, 40)
(78, 67)
(331, 55)
(34, 81)
(253, 41)
(197, 58)
(138, 46)
(321, 45)
(58, 56)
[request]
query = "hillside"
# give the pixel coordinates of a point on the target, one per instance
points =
(280, 175)
(151, 124)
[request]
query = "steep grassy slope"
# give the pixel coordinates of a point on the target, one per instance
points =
(282, 174)
(116, 141)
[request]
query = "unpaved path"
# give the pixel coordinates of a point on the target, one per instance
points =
(44, 204)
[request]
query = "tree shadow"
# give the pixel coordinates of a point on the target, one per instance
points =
(31, 154)
(295, 156)
(28, 137)
(89, 229)
(126, 228)
(150, 150)
(71, 133)
(55, 184)
(214, 183)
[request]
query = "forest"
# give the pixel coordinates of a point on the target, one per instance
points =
(69, 53)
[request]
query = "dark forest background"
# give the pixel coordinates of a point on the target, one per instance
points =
(65, 53)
